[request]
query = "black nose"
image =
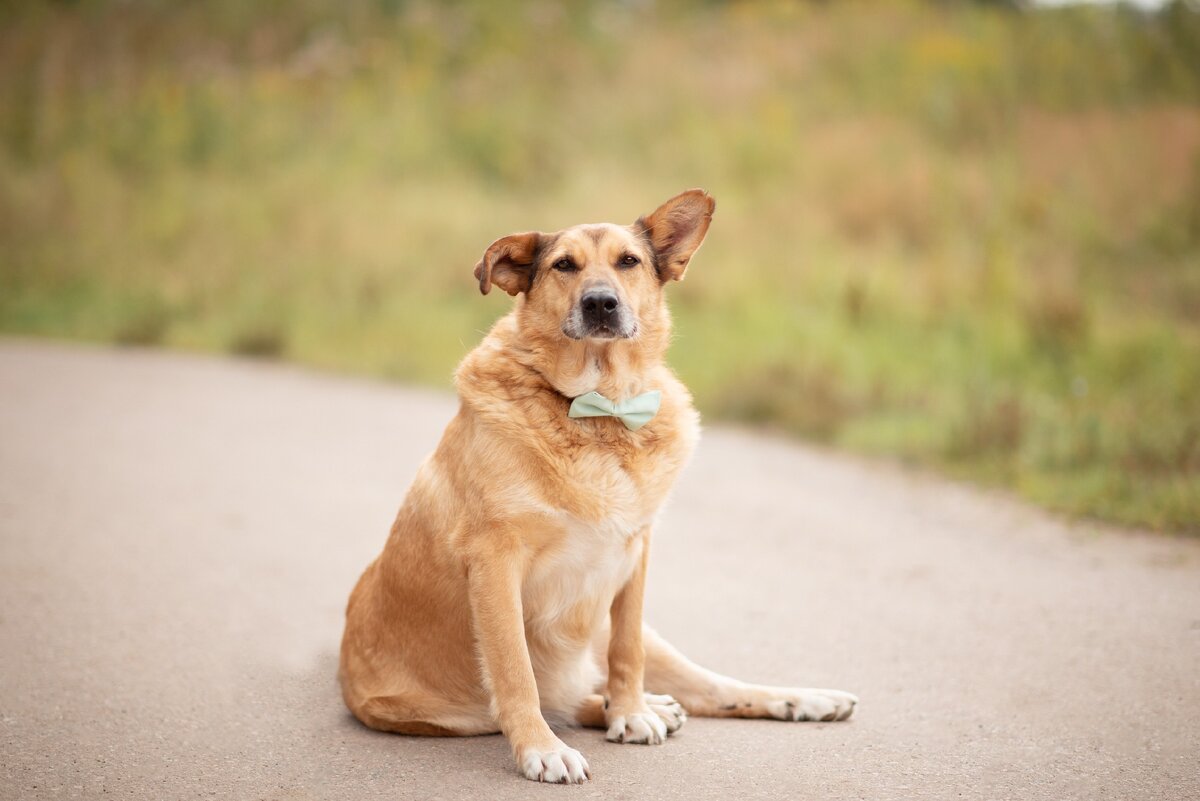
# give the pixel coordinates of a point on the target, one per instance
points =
(599, 305)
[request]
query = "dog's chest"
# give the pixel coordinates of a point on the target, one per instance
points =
(617, 482)
(603, 498)
(571, 585)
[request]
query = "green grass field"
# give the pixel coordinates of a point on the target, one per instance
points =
(958, 235)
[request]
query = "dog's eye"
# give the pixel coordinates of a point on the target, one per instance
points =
(564, 265)
(629, 260)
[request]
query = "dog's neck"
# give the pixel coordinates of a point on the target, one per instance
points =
(613, 368)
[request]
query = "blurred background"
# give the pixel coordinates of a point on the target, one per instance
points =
(963, 235)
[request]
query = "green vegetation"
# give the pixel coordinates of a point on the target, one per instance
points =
(960, 234)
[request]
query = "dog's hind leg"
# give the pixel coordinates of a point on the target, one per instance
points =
(399, 714)
(590, 713)
(704, 693)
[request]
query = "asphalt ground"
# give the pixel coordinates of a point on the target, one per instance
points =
(179, 534)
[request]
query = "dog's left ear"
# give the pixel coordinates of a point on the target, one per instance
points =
(676, 229)
(508, 263)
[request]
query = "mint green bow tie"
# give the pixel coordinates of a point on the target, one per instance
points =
(634, 413)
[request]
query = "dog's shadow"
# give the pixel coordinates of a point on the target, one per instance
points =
(308, 746)
(323, 751)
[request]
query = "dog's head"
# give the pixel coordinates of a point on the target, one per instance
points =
(599, 282)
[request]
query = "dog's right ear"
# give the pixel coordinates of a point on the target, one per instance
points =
(508, 263)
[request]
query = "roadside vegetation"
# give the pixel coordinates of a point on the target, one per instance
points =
(960, 235)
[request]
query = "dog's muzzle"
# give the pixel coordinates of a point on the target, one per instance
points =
(599, 314)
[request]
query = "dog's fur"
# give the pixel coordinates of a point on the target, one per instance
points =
(510, 590)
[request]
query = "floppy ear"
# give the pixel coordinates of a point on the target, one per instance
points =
(508, 263)
(676, 228)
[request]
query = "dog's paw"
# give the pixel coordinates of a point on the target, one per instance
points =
(669, 710)
(812, 704)
(658, 717)
(644, 728)
(558, 765)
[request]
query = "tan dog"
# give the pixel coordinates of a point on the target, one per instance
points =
(527, 530)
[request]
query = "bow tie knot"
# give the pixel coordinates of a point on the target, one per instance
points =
(634, 412)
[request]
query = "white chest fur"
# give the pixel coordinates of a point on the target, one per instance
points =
(570, 587)
(600, 510)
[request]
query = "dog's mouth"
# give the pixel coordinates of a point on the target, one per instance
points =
(599, 331)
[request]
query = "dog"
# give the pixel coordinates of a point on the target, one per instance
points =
(509, 593)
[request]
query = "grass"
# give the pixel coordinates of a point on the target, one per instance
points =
(960, 235)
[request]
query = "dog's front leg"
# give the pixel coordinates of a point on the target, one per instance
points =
(494, 577)
(629, 714)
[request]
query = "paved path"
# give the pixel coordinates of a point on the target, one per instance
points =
(178, 536)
